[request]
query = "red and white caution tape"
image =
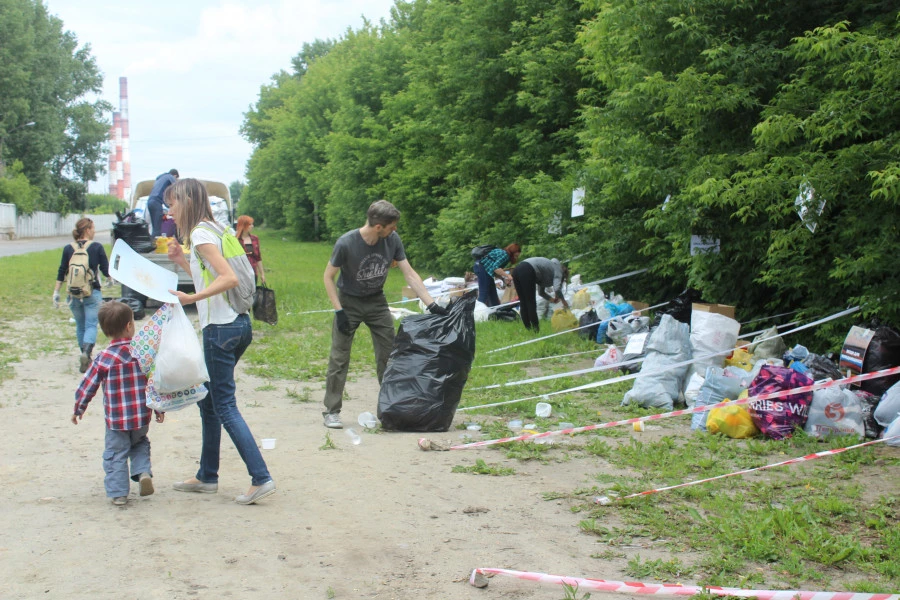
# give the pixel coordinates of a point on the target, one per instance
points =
(687, 411)
(673, 589)
(607, 500)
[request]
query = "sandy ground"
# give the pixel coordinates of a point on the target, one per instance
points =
(379, 520)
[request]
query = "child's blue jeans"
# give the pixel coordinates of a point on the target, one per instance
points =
(120, 447)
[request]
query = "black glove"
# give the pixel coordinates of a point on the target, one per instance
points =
(343, 323)
(436, 309)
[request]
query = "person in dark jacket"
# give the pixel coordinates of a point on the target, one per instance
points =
(491, 265)
(84, 309)
(156, 201)
(543, 273)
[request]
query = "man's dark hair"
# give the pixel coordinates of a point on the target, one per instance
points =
(382, 212)
(174, 173)
(114, 317)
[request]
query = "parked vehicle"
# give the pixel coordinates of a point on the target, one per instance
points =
(223, 211)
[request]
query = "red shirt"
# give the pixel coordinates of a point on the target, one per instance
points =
(252, 250)
(124, 388)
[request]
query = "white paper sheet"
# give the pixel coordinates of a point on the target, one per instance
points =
(143, 276)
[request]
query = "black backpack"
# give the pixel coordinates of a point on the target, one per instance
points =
(479, 252)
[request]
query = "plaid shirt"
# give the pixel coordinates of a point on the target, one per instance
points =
(124, 386)
(495, 259)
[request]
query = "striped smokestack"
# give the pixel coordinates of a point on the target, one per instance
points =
(126, 150)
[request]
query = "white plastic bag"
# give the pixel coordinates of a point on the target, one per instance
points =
(610, 356)
(179, 360)
(834, 411)
(711, 334)
(888, 410)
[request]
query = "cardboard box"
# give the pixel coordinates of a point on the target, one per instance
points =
(638, 305)
(722, 309)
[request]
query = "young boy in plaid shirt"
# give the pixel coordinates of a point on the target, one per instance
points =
(124, 403)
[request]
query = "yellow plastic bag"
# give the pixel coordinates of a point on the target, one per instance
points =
(740, 358)
(563, 320)
(581, 299)
(733, 421)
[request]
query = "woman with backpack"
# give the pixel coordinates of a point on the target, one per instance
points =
(78, 271)
(226, 335)
(491, 265)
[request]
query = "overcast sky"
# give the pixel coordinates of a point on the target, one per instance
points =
(195, 66)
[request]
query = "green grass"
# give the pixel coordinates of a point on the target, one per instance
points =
(815, 525)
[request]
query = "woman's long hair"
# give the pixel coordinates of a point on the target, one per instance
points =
(513, 248)
(243, 226)
(81, 226)
(193, 206)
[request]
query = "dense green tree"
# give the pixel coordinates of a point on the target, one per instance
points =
(678, 118)
(45, 79)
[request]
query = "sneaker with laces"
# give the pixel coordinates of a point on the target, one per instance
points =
(333, 421)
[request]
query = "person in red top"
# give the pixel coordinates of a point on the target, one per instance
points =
(124, 404)
(251, 246)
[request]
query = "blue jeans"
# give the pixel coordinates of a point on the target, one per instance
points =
(223, 346)
(85, 312)
(121, 446)
(155, 209)
(487, 288)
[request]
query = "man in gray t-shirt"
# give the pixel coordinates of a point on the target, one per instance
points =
(361, 258)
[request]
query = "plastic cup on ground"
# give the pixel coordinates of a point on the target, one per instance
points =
(542, 409)
(354, 437)
(367, 420)
(639, 426)
(268, 443)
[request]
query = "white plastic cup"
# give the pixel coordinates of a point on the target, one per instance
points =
(268, 443)
(542, 409)
(367, 420)
(354, 437)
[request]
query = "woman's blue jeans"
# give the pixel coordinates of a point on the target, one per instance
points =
(487, 288)
(85, 312)
(223, 346)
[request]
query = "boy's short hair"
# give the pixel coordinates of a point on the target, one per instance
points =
(382, 212)
(114, 317)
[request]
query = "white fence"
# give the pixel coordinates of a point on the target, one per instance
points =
(44, 224)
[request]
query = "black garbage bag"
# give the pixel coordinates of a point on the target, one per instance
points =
(679, 307)
(589, 318)
(821, 367)
(135, 232)
(428, 368)
(507, 313)
(883, 353)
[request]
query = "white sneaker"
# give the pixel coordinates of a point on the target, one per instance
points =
(333, 421)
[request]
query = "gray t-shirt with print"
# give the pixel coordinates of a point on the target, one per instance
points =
(364, 268)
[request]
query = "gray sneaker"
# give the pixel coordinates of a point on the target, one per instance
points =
(333, 421)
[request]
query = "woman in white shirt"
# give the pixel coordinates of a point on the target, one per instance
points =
(226, 334)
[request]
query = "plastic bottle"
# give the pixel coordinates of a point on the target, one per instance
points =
(354, 437)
